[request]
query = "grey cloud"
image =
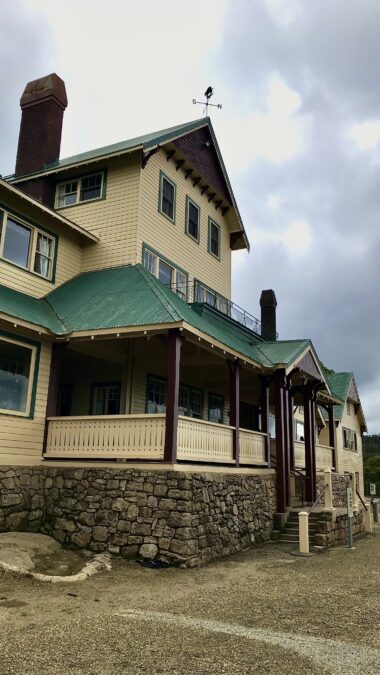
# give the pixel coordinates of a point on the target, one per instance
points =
(25, 54)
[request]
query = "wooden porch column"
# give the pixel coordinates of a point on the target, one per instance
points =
(57, 350)
(292, 461)
(234, 371)
(280, 384)
(265, 382)
(309, 420)
(330, 411)
(172, 393)
(287, 443)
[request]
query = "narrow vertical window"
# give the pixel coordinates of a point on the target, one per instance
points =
(165, 273)
(214, 238)
(17, 243)
(192, 219)
(181, 284)
(43, 256)
(167, 198)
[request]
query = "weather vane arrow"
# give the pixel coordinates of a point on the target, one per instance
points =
(208, 93)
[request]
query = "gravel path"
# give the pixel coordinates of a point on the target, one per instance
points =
(262, 611)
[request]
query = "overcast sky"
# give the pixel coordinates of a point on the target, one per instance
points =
(299, 132)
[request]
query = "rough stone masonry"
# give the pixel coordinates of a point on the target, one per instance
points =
(177, 517)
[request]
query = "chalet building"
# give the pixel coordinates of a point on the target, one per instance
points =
(119, 340)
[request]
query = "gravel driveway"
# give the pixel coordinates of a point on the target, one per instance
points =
(261, 611)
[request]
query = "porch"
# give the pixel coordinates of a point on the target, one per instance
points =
(142, 437)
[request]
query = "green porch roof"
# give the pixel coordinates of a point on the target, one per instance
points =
(339, 384)
(130, 296)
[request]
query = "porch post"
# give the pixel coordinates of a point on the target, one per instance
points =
(172, 393)
(280, 441)
(292, 461)
(52, 396)
(309, 443)
(287, 443)
(265, 415)
(332, 435)
(234, 371)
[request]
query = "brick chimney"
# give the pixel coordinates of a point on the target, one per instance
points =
(43, 104)
(268, 304)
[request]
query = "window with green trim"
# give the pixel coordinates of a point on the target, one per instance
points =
(26, 246)
(207, 295)
(167, 273)
(192, 219)
(213, 238)
(215, 408)
(167, 197)
(17, 372)
(350, 441)
(190, 399)
(82, 189)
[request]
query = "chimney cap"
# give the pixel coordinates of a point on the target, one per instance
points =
(43, 89)
(268, 298)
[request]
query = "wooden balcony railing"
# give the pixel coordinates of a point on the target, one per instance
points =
(202, 441)
(252, 447)
(323, 455)
(107, 437)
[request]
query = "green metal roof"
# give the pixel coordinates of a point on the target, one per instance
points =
(339, 384)
(130, 296)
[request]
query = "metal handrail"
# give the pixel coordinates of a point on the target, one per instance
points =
(322, 492)
(360, 497)
(295, 472)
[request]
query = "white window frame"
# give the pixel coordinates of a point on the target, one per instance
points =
(177, 274)
(352, 440)
(34, 232)
(78, 180)
(32, 370)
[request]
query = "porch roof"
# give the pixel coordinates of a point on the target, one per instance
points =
(131, 297)
(340, 385)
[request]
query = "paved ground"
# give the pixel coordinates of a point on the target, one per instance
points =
(262, 611)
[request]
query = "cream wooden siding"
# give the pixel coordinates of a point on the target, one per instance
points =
(69, 262)
(170, 239)
(113, 219)
(21, 439)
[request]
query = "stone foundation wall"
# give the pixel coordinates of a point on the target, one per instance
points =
(339, 486)
(178, 517)
(330, 531)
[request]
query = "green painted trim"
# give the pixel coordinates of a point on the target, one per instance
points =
(163, 175)
(116, 383)
(42, 229)
(37, 345)
(79, 177)
(168, 262)
(189, 200)
(221, 397)
(210, 220)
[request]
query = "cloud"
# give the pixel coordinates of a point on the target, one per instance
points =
(366, 134)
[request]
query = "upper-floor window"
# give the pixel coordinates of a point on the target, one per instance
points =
(348, 408)
(213, 238)
(350, 440)
(83, 189)
(18, 361)
(167, 273)
(27, 246)
(192, 219)
(204, 294)
(167, 197)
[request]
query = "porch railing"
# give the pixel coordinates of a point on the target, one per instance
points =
(323, 455)
(202, 441)
(252, 447)
(107, 437)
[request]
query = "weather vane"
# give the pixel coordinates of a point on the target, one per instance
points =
(208, 93)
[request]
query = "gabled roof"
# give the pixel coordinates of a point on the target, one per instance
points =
(341, 385)
(146, 143)
(131, 297)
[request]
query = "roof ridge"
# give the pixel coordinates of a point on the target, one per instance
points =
(153, 283)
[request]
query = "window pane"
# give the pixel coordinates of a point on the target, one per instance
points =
(165, 273)
(215, 408)
(16, 244)
(214, 239)
(193, 220)
(167, 205)
(42, 263)
(195, 403)
(91, 187)
(183, 401)
(67, 193)
(156, 398)
(300, 431)
(150, 262)
(15, 362)
(181, 283)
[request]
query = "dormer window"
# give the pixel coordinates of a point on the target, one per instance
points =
(192, 219)
(166, 204)
(213, 239)
(83, 189)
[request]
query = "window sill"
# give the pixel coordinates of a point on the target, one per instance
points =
(25, 269)
(82, 203)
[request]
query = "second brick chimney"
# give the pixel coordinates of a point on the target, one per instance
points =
(43, 104)
(268, 304)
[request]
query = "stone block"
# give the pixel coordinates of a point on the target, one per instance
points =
(184, 548)
(148, 551)
(129, 552)
(65, 524)
(120, 504)
(17, 522)
(160, 490)
(86, 518)
(124, 526)
(100, 533)
(81, 538)
(164, 543)
(180, 519)
(143, 529)
(10, 499)
(186, 533)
